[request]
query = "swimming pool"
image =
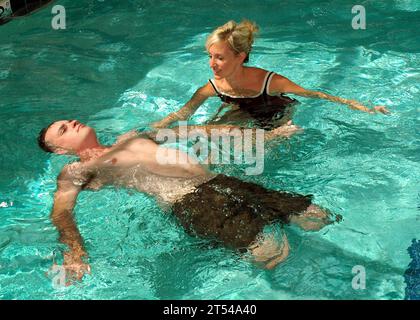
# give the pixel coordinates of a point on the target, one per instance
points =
(120, 65)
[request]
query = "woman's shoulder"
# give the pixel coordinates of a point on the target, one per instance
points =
(256, 76)
(255, 71)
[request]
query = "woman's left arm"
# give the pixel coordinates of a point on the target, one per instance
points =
(280, 84)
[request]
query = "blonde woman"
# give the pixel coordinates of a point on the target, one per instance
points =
(251, 95)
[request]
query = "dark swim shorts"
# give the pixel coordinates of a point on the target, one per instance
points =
(234, 212)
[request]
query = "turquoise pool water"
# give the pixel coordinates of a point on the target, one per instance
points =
(123, 64)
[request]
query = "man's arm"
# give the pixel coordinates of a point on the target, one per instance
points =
(280, 84)
(189, 108)
(62, 217)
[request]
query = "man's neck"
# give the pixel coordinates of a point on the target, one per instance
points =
(92, 153)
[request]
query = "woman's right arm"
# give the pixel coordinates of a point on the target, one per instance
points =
(189, 108)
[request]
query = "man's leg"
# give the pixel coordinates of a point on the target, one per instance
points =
(313, 218)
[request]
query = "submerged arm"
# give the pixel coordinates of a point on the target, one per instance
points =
(280, 84)
(184, 131)
(189, 108)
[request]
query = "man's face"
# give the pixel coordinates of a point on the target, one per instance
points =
(223, 60)
(69, 136)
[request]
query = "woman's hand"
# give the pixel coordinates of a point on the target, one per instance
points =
(381, 109)
(285, 131)
(357, 106)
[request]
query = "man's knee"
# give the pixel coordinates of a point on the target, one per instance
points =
(269, 251)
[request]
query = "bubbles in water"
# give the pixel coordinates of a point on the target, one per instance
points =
(4, 74)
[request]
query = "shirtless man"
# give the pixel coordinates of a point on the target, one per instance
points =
(235, 212)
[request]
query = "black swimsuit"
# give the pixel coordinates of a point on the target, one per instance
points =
(14, 8)
(265, 111)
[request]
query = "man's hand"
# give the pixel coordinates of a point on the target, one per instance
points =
(75, 267)
(72, 270)
(158, 125)
(285, 131)
(126, 136)
(62, 217)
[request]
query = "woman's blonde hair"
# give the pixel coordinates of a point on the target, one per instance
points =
(239, 36)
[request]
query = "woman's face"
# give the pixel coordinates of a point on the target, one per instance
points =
(223, 60)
